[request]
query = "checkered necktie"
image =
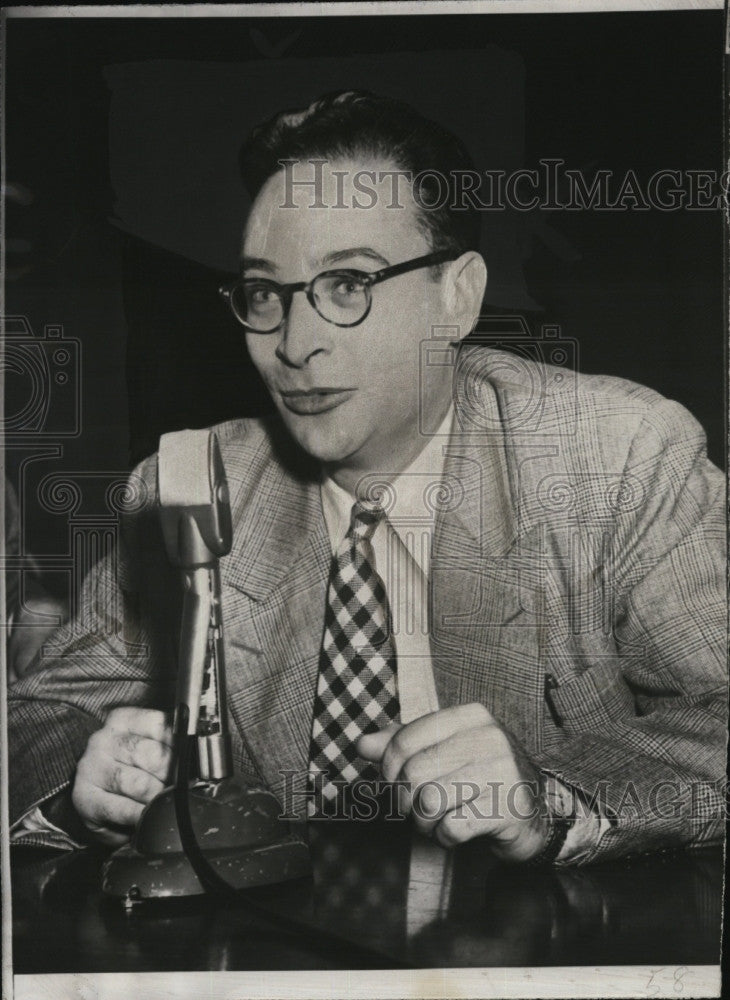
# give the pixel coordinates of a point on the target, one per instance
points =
(356, 688)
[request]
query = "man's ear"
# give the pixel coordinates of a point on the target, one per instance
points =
(463, 288)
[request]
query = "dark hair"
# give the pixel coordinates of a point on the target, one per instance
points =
(355, 122)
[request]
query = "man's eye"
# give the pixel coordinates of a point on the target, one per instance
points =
(349, 286)
(260, 295)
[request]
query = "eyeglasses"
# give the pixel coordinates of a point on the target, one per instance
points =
(342, 297)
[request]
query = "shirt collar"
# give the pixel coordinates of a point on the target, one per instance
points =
(410, 488)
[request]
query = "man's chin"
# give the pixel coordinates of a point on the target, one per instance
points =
(320, 441)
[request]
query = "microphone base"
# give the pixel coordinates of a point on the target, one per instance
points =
(236, 826)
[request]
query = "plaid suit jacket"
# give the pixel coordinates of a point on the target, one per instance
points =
(577, 590)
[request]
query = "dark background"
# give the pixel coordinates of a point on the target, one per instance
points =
(641, 292)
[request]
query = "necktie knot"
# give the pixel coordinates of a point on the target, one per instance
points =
(364, 519)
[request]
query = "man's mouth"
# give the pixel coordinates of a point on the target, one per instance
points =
(307, 402)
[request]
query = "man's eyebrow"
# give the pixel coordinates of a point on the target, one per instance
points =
(336, 256)
(257, 264)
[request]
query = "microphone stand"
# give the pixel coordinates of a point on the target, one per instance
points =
(212, 834)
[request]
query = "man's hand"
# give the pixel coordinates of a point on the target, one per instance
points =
(480, 780)
(126, 763)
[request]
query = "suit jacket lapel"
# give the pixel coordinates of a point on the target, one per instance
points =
(275, 586)
(484, 595)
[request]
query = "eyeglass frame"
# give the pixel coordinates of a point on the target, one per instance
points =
(368, 278)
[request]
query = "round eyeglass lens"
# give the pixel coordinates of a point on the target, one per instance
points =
(340, 298)
(258, 305)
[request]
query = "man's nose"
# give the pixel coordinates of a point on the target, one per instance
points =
(303, 333)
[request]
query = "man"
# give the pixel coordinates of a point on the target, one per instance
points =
(490, 580)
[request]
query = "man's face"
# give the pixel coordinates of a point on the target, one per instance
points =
(349, 396)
